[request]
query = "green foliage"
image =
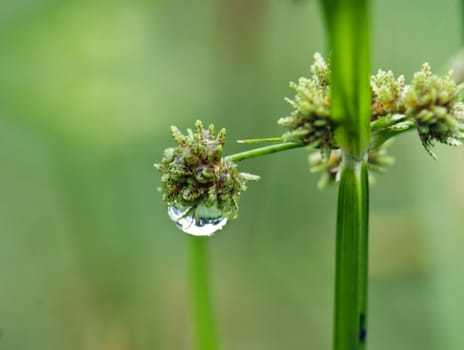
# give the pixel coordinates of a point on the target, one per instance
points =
(195, 172)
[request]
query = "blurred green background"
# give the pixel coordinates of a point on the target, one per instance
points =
(88, 257)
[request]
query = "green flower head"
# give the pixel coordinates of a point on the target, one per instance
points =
(309, 121)
(387, 94)
(433, 103)
(195, 172)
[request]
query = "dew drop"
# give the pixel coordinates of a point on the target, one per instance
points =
(199, 220)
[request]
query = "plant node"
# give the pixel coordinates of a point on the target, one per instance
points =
(378, 161)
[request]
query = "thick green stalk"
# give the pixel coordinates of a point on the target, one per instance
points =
(350, 86)
(351, 257)
(205, 337)
(347, 22)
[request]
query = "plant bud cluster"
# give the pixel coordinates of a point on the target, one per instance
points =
(431, 104)
(309, 121)
(195, 172)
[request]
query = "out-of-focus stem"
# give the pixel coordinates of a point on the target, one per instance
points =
(202, 316)
(462, 23)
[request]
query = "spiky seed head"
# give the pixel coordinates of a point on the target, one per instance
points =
(433, 103)
(309, 122)
(195, 171)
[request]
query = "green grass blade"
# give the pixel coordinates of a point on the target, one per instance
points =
(202, 319)
(351, 257)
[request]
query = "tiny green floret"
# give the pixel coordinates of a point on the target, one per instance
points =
(378, 161)
(329, 169)
(433, 103)
(195, 172)
(387, 94)
(310, 122)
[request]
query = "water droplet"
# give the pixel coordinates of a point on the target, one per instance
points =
(199, 220)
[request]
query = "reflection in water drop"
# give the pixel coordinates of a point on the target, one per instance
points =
(198, 220)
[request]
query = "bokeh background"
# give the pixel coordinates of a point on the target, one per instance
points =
(88, 257)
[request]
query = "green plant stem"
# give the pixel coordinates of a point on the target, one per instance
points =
(202, 317)
(257, 152)
(266, 139)
(350, 79)
(351, 256)
(347, 22)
